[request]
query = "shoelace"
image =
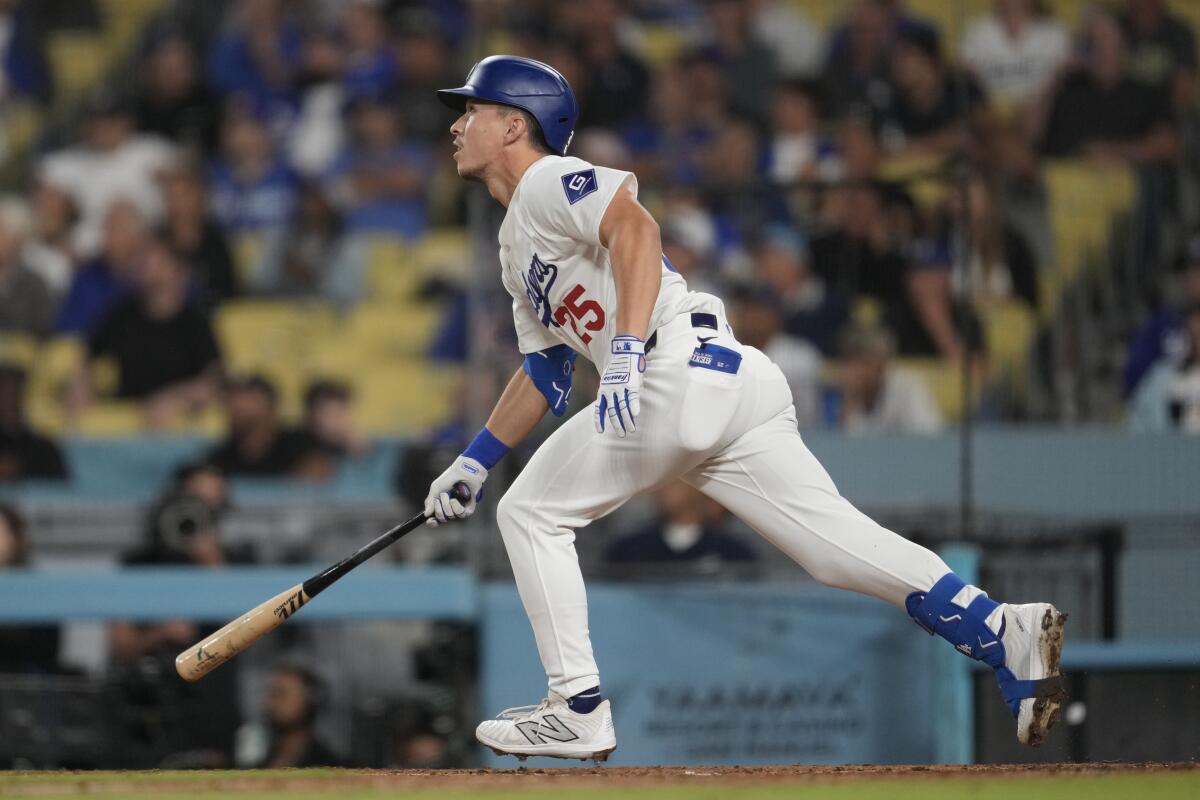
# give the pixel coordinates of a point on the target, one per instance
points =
(517, 712)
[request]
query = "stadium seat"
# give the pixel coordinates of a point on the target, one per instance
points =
(1189, 10)
(391, 275)
(406, 397)
(247, 250)
(944, 380)
(1008, 330)
(1082, 200)
(275, 338)
(18, 349)
(922, 175)
(390, 330)
(396, 271)
(661, 45)
(124, 20)
(443, 253)
(78, 60)
(49, 376)
(111, 419)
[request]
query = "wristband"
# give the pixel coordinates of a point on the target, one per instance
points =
(486, 448)
(628, 344)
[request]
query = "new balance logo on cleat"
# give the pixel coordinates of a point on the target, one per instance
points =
(541, 731)
(551, 727)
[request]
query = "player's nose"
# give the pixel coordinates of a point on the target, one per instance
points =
(457, 128)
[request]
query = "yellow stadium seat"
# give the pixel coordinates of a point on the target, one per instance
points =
(248, 250)
(1190, 11)
(21, 123)
(396, 271)
(18, 350)
(445, 253)
(391, 274)
(944, 380)
(390, 330)
(277, 339)
(110, 420)
(50, 373)
(1082, 200)
(406, 397)
(824, 14)
(1008, 330)
(78, 60)
(867, 311)
(123, 19)
(661, 45)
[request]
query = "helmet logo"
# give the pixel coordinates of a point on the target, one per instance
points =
(570, 136)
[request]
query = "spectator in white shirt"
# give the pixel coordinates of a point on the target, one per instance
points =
(1015, 50)
(111, 162)
(879, 397)
(794, 145)
(50, 250)
(791, 38)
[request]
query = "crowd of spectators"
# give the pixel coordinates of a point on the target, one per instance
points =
(766, 147)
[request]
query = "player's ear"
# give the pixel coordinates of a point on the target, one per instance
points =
(514, 128)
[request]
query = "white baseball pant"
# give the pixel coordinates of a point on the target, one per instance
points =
(733, 437)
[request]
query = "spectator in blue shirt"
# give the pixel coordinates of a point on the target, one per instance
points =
(259, 54)
(686, 109)
(108, 278)
(22, 57)
(380, 181)
(687, 533)
(370, 66)
(252, 189)
(1162, 336)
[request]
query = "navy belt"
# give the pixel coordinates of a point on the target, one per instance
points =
(700, 319)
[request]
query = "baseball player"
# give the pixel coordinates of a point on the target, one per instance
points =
(679, 397)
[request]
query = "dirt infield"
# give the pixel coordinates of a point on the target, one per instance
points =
(684, 780)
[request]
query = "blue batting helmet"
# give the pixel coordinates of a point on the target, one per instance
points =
(525, 84)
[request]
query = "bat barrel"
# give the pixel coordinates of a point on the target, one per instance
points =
(211, 652)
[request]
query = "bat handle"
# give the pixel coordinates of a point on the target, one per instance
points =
(461, 492)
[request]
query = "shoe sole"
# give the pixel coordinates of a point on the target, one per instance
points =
(599, 756)
(1047, 711)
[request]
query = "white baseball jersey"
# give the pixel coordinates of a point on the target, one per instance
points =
(554, 266)
(731, 433)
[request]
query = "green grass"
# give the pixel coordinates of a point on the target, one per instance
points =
(341, 785)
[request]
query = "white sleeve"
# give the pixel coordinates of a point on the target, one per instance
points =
(572, 199)
(532, 335)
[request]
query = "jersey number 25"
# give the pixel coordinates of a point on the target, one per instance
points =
(588, 312)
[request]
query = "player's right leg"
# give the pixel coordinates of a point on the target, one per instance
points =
(769, 479)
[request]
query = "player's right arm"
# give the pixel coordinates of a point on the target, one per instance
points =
(518, 411)
(543, 383)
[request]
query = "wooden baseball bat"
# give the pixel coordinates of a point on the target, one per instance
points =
(211, 652)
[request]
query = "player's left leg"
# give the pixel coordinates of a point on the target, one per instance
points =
(575, 477)
(769, 479)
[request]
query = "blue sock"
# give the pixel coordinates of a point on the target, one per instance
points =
(585, 702)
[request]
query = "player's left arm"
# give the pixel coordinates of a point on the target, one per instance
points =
(635, 252)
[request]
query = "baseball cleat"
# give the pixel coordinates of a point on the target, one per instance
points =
(1033, 639)
(550, 729)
